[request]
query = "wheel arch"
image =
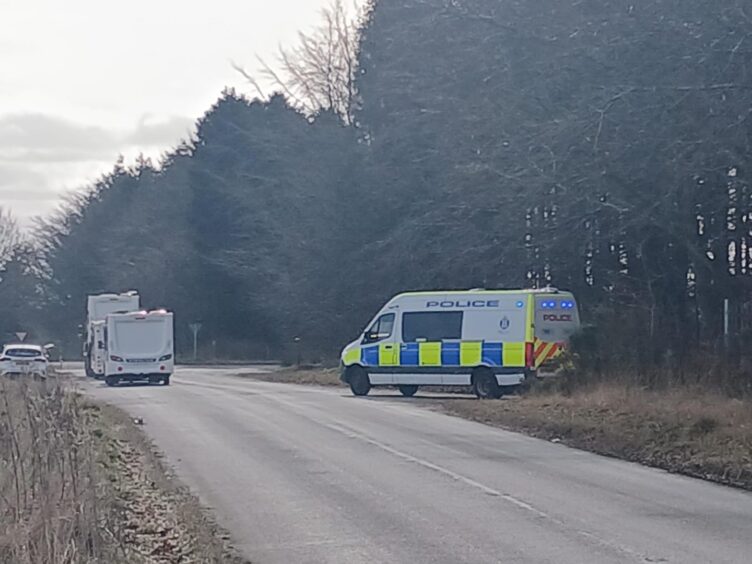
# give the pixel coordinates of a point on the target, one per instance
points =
(348, 371)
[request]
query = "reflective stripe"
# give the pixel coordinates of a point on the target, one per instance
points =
(471, 353)
(514, 354)
(409, 354)
(530, 323)
(429, 354)
(388, 354)
(369, 356)
(450, 354)
(352, 356)
(546, 351)
(492, 354)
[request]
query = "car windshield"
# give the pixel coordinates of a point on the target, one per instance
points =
(23, 353)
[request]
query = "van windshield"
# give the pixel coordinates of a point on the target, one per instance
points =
(556, 318)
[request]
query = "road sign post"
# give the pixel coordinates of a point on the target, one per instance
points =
(195, 327)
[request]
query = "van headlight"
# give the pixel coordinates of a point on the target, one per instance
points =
(165, 357)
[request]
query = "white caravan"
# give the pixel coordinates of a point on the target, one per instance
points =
(140, 347)
(97, 309)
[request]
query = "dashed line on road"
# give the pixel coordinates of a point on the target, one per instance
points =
(492, 492)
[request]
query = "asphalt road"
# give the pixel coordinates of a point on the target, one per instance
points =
(312, 475)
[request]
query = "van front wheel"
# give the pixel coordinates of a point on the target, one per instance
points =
(408, 391)
(485, 385)
(360, 385)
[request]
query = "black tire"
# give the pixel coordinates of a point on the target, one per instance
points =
(485, 385)
(112, 381)
(166, 381)
(360, 385)
(88, 370)
(408, 391)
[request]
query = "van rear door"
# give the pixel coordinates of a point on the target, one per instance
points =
(556, 320)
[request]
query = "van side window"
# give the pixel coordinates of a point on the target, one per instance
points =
(381, 329)
(432, 326)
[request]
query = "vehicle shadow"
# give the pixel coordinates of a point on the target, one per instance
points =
(126, 385)
(385, 396)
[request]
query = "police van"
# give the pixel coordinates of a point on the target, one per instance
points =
(491, 340)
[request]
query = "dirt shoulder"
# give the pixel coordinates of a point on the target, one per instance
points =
(690, 432)
(162, 521)
(84, 485)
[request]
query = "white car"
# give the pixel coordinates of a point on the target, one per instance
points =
(24, 360)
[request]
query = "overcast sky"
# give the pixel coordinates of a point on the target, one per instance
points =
(82, 81)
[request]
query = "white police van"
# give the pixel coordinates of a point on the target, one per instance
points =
(491, 340)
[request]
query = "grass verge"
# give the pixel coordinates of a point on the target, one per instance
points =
(306, 376)
(691, 432)
(79, 483)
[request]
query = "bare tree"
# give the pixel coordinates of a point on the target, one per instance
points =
(10, 235)
(319, 73)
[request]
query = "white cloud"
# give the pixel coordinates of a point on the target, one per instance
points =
(79, 76)
(43, 156)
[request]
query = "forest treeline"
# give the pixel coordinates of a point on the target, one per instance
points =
(597, 145)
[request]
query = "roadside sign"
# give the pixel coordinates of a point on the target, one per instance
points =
(21, 336)
(195, 327)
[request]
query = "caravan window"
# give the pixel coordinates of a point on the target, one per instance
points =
(432, 326)
(380, 330)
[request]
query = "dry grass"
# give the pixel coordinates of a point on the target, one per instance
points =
(80, 484)
(307, 376)
(53, 508)
(685, 431)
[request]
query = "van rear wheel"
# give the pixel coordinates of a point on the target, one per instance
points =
(485, 385)
(360, 385)
(408, 391)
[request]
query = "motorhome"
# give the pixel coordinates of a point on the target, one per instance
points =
(140, 347)
(97, 309)
(492, 340)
